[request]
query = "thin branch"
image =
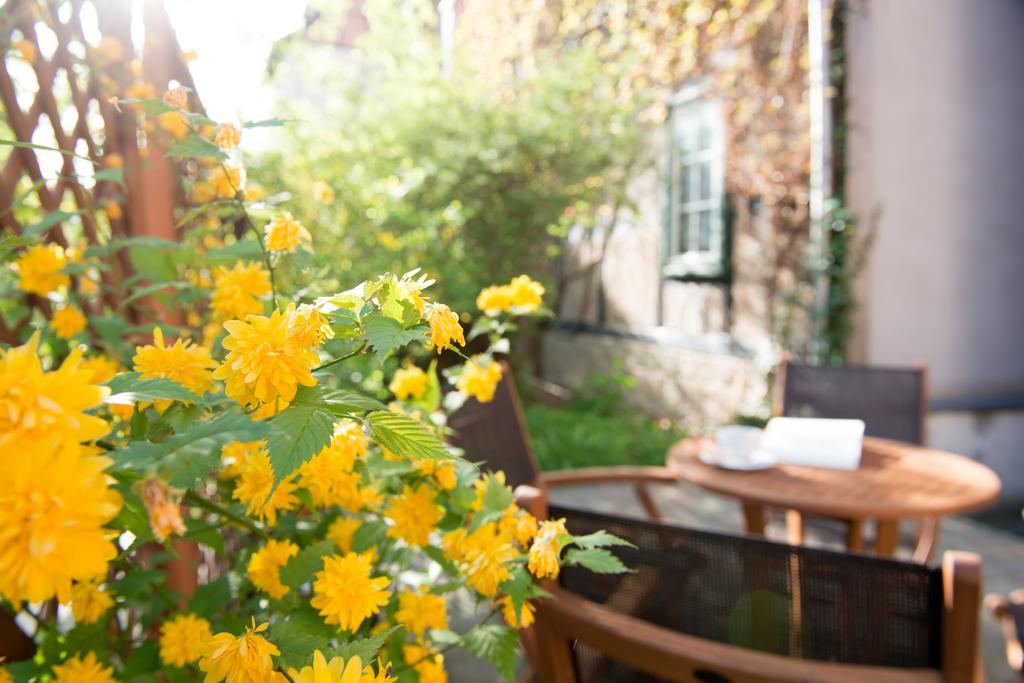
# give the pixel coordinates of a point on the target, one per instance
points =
(339, 359)
(208, 505)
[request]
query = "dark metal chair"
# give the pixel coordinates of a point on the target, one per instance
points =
(892, 402)
(495, 435)
(716, 608)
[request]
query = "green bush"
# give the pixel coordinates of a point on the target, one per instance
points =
(596, 428)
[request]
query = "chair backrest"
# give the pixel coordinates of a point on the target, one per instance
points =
(715, 608)
(891, 401)
(494, 434)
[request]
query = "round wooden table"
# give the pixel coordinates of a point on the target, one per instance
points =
(895, 481)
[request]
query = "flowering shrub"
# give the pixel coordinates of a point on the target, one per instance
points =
(330, 526)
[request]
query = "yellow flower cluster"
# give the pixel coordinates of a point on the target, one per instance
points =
(337, 670)
(409, 382)
(344, 592)
(285, 234)
(444, 327)
(67, 322)
(236, 290)
(239, 659)
(256, 480)
(265, 564)
(414, 514)
(86, 669)
(164, 507)
(89, 601)
(546, 548)
(479, 378)
(185, 363)
(182, 639)
(522, 295)
(40, 269)
(420, 611)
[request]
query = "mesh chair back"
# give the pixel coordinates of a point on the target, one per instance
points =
(494, 434)
(890, 400)
(794, 601)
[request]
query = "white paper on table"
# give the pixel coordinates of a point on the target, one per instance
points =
(814, 442)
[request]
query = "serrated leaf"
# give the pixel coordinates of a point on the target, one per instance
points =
(597, 560)
(385, 334)
(368, 535)
(497, 496)
(129, 387)
(300, 569)
(365, 648)
(194, 146)
(497, 644)
(303, 632)
(599, 539)
(49, 220)
(297, 433)
(339, 403)
(405, 436)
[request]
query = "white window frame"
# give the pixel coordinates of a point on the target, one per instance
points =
(691, 108)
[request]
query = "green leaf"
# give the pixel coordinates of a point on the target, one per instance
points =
(11, 242)
(403, 435)
(194, 146)
(266, 123)
(49, 220)
(211, 598)
(338, 402)
(153, 289)
(599, 539)
(298, 433)
(152, 107)
(497, 497)
(368, 535)
(138, 583)
(597, 560)
(386, 334)
(366, 648)
(300, 569)
(128, 387)
(114, 175)
(303, 632)
(497, 644)
(241, 250)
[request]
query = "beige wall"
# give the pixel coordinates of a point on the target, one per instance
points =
(936, 148)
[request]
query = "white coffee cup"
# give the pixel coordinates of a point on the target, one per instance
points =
(736, 443)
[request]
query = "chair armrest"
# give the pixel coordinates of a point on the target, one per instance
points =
(599, 475)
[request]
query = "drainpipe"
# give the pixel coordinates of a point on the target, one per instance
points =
(821, 161)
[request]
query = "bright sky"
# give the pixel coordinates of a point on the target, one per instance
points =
(233, 39)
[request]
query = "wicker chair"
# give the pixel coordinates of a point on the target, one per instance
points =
(707, 607)
(892, 401)
(494, 435)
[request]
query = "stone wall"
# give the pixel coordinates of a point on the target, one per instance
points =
(701, 387)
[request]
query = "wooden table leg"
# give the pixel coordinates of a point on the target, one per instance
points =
(888, 536)
(794, 527)
(855, 534)
(753, 518)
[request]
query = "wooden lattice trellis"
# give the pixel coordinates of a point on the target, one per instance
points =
(81, 56)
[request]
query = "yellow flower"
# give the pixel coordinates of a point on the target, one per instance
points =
(329, 477)
(442, 472)
(182, 639)
(89, 602)
(36, 404)
(140, 91)
(164, 507)
(174, 122)
(419, 611)
(415, 513)
(322, 192)
(255, 480)
(177, 98)
(527, 294)
(227, 181)
(27, 50)
(336, 671)
(109, 49)
(4, 676)
(241, 659)
(236, 290)
(428, 664)
(83, 670)
(341, 532)
(113, 210)
(67, 322)
(228, 136)
(481, 557)
(408, 381)
(345, 594)
(53, 506)
(101, 367)
(113, 160)
(479, 378)
(494, 299)
(444, 327)
(39, 269)
(253, 192)
(265, 564)
(264, 366)
(546, 548)
(285, 234)
(518, 524)
(508, 611)
(183, 362)
(308, 326)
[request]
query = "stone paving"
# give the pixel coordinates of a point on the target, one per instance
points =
(1002, 554)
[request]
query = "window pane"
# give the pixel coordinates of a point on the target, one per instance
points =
(704, 134)
(705, 180)
(683, 234)
(684, 184)
(704, 232)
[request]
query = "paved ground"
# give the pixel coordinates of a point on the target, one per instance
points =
(1002, 553)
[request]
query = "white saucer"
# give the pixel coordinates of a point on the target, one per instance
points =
(759, 460)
